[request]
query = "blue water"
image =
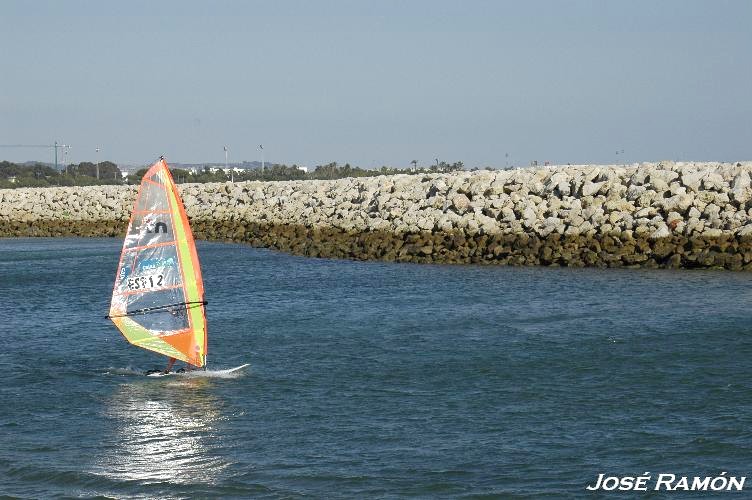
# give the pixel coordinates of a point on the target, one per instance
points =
(372, 379)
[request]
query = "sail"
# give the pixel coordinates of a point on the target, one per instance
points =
(158, 297)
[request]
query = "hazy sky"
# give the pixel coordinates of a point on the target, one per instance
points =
(378, 82)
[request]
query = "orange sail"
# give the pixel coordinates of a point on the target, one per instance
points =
(158, 297)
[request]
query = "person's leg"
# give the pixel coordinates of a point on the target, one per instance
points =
(170, 363)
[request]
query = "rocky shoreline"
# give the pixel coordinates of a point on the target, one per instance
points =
(653, 215)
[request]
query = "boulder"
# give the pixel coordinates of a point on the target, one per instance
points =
(713, 181)
(741, 181)
(691, 179)
(460, 203)
(661, 232)
(658, 184)
(591, 188)
(745, 231)
(635, 191)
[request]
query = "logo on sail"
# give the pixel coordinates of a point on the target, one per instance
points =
(156, 263)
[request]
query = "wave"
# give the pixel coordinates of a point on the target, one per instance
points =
(122, 371)
(228, 373)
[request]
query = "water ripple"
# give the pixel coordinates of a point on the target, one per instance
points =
(371, 379)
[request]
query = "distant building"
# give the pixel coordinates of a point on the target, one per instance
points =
(216, 169)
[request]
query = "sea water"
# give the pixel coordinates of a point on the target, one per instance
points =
(372, 379)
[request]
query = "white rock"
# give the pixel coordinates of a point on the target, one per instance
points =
(661, 232)
(460, 202)
(591, 188)
(658, 184)
(673, 216)
(713, 181)
(635, 191)
(741, 181)
(692, 179)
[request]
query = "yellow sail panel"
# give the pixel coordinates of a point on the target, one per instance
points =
(193, 283)
(138, 335)
(158, 297)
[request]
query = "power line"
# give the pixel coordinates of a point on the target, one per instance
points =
(65, 148)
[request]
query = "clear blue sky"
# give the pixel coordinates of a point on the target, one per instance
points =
(378, 82)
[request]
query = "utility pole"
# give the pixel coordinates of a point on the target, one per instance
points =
(261, 147)
(97, 158)
(232, 172)
(65, 157)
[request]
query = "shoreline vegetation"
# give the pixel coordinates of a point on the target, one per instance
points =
(14, 175)
(648, 215)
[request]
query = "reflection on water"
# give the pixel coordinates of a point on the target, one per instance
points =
(164, 431)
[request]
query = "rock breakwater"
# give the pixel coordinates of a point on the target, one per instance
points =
(670, 215)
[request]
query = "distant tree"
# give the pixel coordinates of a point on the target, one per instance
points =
(66, 180)
(328, 171)
(8, 169)
(84, 173)
(108, 170)
(83, 168)
(33, 175)
(136, 178)
(180, 175)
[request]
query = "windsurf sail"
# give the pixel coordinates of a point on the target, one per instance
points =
(158, 297)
